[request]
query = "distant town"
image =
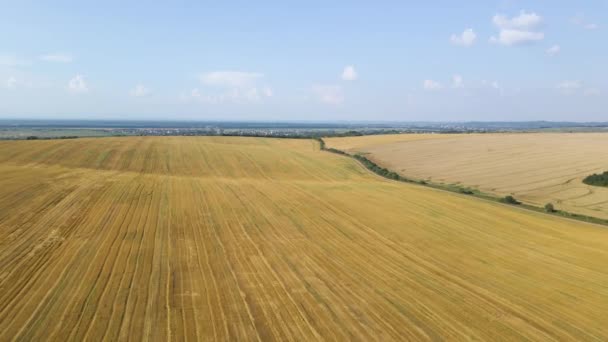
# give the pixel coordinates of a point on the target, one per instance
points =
(65, 129)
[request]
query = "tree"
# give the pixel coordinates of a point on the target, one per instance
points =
(510, 200)
(600, 179)
(549, 208)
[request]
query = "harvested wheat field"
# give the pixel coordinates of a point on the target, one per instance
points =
(536, 168)
(218, 238)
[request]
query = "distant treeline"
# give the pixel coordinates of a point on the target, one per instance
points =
(370, 165)
(35, 137)
(262, 134)
(597, 179)
(310, 135)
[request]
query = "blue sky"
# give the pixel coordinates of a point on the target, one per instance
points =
(313, 60)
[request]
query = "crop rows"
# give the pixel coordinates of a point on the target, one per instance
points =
(536, 168)
(262, 239)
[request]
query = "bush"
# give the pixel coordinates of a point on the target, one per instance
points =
(549, 208)
(465, 191)
(510, 200)
(597, 179)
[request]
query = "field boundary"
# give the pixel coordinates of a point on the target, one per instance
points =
(394, 176)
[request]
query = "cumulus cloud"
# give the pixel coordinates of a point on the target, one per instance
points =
(581, 21)
(431, 85)
(517, 37)
(12, 61)
(230, 87)
(78, 84)
(267, 91)
(234, 95)
(195, 93)
(524, 21)
(569, 87)
(11, 83)
(457, 81)
(257, 94)
(57, 58)
(490, 84)
(330, 94)
(591, 92)
(517, 30)
(466, 38)
(349, 73)
(591, 26)
(554, 50)
(235, 79)
(140, 91)
(200, 96)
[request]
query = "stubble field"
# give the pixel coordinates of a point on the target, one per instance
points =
(175, 238)
(535, 168)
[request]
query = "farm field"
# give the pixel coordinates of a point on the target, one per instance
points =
(536, 168)
(225, 238)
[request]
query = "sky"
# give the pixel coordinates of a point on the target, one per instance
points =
(308, 60)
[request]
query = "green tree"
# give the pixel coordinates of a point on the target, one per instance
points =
(510, 200)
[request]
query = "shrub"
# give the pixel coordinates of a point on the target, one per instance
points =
(465, 191)
(600, 179)
(510, 200)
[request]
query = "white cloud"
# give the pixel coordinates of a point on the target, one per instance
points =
(349, 73)
(591, 26)
(234, 95)
(140, 91)
(331, 94)
(198, 95)
(11, 83)
(517, 37)
(457, 81)
(496, 88)
(554, 50)
(580, 20)
(591, 92)
(252, 94)
(78, 84)
(490, 84)
(517, 30)
(569, 85)
(431, 85)
(236, 79)
(57, 58)
(267, 91)
(524, 21)
(230, 87)
(12, 61)
(195, 93)
(466, 38)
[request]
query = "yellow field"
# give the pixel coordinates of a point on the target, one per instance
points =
(536, 168)
(259, 239)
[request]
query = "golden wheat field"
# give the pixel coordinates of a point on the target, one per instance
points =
(219, 238)
(536, 168)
